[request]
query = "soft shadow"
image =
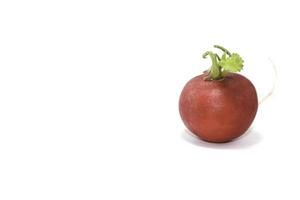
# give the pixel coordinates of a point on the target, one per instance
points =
(249, 139)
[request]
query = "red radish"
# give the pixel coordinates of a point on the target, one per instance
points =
(219, 105)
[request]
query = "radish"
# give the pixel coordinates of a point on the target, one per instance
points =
(219, 105)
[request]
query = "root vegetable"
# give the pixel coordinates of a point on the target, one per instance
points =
(219, 105)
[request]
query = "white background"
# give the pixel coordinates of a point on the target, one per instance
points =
(89, 100)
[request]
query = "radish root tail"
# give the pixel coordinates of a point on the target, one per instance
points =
(271, 92)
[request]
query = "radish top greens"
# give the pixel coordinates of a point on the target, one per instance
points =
(222, 65)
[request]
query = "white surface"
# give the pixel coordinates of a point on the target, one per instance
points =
(89, 100)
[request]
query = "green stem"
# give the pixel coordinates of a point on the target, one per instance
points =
(223, 49)
(215, 70)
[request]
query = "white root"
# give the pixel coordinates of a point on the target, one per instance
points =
(273, 86)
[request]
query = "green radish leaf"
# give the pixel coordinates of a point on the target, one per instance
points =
(234, 63)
